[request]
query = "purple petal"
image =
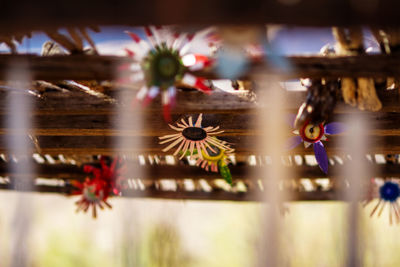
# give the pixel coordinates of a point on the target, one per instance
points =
(321, 156)
(335, 128)
(292, 142)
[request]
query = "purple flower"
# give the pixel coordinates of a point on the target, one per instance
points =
(313, 135)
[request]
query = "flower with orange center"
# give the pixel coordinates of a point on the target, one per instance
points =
(312, 134)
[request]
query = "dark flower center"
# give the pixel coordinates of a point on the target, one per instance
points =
(211, 153)
(389, 191)
(168, 66)
(194, 133)
(163, 66)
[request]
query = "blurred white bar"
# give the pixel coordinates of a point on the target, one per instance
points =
(129, 118)
(19, 145)
(356, 173)
(271, 121)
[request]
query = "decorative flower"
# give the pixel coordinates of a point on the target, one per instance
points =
(113, 172)
(95, 190)
(389, 192)
(216, 161)
(163, 62)
(193, 136)
(314, 134)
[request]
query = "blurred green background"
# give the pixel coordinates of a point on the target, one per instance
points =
(160, 233)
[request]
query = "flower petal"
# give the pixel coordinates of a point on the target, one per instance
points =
(307, 144)
(292, 142)
(334, 128)
(321, 156)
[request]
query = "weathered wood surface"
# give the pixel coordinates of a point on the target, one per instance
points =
(83, 67)
(26, 15)
(53, 68)
(244, 145)
(230, 196)
(242, 172)
(77, 123)
(376, 66)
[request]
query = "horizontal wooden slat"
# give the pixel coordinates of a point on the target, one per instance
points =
(44, 15)
(52, 68)
(229, 196)
(375, 66)
(74, 122)
(242, 171)
(243, 145)
(81, 67)
(151, 174)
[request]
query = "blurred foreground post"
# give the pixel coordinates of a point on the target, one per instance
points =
(271, 122)
(19, 146)
(129, 118)
(356, 175)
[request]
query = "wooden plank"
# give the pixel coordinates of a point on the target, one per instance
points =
(71, 67)
(235, 124)
(44, 15)
(243, 145)
(375, 66)
(79, 103)
(96, 135)
(74, 122)
(82, 67)
(228, 196)
(68, 115)
(179, 172)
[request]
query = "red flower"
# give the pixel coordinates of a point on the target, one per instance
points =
(95, 190)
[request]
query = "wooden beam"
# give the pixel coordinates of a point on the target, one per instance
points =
(229, 196)
(74, 122)
(244, 145)
(179, 172)
(83, 67)
(71, 67)
(374, 66)
(234, 125)
(43, 15)
(78, 103)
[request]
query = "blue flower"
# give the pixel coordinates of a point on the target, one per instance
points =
(389, 193)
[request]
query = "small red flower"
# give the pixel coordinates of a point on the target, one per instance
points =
(106, 180)
(95, 192)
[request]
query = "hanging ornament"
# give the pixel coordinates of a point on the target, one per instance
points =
(321, 96)
(95, 192)
(106, 180)
(389, 193)
(361, 91)
(236, 47)
(320, 101)
(193, 136)
(163, 62)
(312, 134)
(389, 42)
(216, 160)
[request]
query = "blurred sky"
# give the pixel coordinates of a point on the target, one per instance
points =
(285, 40)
